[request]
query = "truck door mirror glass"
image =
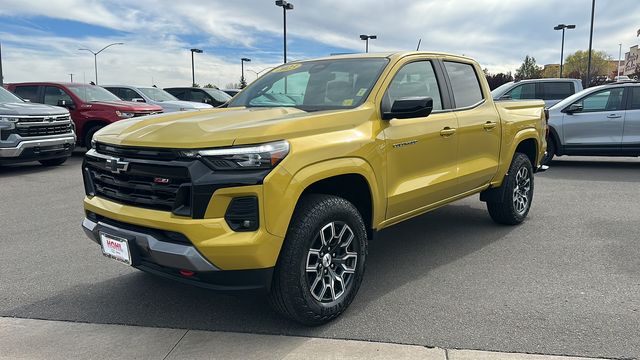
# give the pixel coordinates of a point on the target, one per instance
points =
(409, 107)
(137, 100)
(573, 108)
(66, 104)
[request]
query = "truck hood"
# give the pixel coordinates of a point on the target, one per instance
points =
(30, 109)
(125, 105)
(222, 127)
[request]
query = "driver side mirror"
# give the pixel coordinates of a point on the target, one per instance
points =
(505, 97)
(66, 104)
(409, 107)
(573, 108)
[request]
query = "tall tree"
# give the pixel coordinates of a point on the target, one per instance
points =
(529, 69)
(577, 63)
(498, 79)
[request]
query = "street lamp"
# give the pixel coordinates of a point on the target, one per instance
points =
(562, 27)
(366, 38)
(593, 9)
(95, 56)
(259, 72)
(285, 6)
(619, 59)
(242, 60)
(193, 73)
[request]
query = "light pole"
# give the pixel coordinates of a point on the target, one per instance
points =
(619, 59)
(285, 6)
(95, 56)
(193, 73)
(593, 9)
(366, 39)
(562, 27)
(242, 82)
(71, 77)
(259, 72)
(1, 76)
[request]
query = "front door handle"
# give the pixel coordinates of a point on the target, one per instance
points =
(447, 131)
(614, 116)
(489, 125)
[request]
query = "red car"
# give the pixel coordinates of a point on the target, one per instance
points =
(91, 106)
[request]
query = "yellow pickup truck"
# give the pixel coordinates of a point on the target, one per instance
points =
(282, 188)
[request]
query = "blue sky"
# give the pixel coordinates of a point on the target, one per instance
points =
(40, 39)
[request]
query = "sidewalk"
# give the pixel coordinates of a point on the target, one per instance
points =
(44, 339)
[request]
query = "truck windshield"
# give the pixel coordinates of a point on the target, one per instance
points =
(89, 93)
(7, 97)
(314, 85)
(156, 94)
(217, 95)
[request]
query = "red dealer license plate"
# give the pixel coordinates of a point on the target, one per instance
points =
(116, 248)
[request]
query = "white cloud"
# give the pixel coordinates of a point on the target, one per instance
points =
(498, 33)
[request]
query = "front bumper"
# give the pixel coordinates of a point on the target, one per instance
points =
(155, 253)
(38, 149)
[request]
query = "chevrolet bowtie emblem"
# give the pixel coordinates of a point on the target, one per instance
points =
(116, 166)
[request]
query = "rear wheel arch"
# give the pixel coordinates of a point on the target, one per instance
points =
(529, 147)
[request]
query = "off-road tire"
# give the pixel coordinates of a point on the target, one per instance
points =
(504, 211)
(290, 293)
(89, 135)
(551, 151)
(53, 162)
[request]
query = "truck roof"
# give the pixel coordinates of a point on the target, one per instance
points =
(390, 55)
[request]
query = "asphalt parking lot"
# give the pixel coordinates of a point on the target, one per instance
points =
(566, 282)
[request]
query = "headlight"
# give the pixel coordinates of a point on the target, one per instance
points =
(8, 122)
(262, 156)
(124, 115)
(93, 143)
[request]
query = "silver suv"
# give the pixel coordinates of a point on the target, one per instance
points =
(601, 121)
(155, 96)
(34, 132)
(550, 90)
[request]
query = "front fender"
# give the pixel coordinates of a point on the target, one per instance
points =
(282, 190)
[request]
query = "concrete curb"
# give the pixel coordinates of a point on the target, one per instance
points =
(46, 339)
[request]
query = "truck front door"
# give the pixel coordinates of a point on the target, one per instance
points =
(421, 152)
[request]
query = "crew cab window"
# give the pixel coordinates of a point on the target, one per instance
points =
(53, 94)
(27, 92)
(464, 83)
(556, 90)
(415, 79)
(606, 100)
(634, 103)
(179, 93)
(522, 92)
(198, 96)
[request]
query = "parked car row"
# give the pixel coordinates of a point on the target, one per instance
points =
(44, 121)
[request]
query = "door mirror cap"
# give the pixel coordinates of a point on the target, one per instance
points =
(573, 108)
(66, 104)
(409, 107)
(138, 100)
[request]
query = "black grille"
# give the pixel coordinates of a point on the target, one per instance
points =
(138, 153)
(157, 187)
(27, 131)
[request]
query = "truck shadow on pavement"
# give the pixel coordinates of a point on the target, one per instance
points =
(404, 254)
(35, 167)
(611, 169)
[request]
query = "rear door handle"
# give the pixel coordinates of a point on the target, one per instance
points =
(614, 116)
(489, 125)
(447, 131)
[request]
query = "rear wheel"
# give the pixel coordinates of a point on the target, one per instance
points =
(53, 162)
(322, 261)
(514, 206)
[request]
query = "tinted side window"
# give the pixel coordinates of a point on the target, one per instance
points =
(415, 79)
(27, 92)
(128, 94)
(465, 84)
(53, 94)
(179, 93)
(635, 98)
(522, 92)
(199, 96)
(556, 90)
(606, 100)
(114, 91)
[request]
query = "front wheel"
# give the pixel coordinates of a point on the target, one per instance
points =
(517, 189)
(322, 261)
